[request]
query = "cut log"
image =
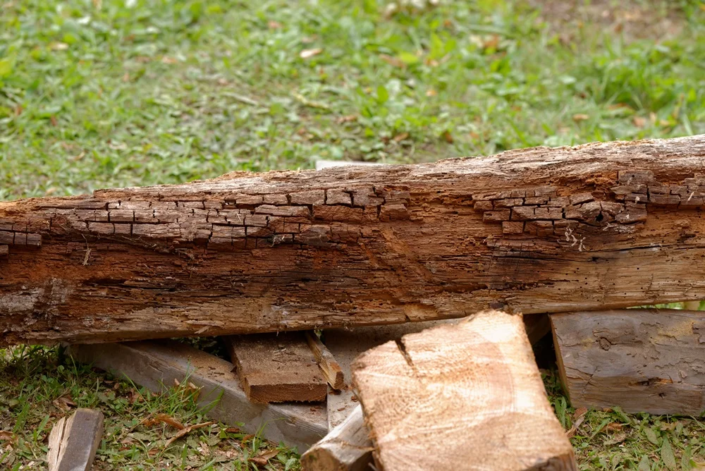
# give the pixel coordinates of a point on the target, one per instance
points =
(540, 230)
(326, 361)
(277, 368)
(465, 396)
(640, 360)
(348, 344)
(73, 441)
(156, 365)
(346, 448)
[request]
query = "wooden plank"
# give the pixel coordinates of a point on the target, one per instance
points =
(155, 365)
(277, 368)
(346, 448)
(327, 363)
(74, 440)
(640, 360)
(465, 396)
(348, 344)
(533, 231)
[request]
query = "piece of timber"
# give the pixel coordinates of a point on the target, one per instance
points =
(640, 360)
(464, 396)
(277, 367)
(348, 344)
(74, 440)
(156, 364)
(346, 448)
(598, 226)
(326, 362)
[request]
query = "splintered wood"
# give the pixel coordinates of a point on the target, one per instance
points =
(640, 360)
(73, 441)
(536, 230)
(346, 448)
(466, 396)
(329, 366)
(277, 368)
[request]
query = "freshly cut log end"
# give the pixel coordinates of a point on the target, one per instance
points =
(346, 448)
(277, 368)
(73, 441)
(640, 360)
(465, 396)
(533, 231)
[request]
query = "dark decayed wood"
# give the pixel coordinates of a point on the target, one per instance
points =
(602, 225)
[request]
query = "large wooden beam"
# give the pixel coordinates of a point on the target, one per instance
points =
(465, 396)
(640, 360)
(537, 230)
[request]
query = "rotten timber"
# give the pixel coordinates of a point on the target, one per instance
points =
(640, 360)
(464, 396)
(538, 230)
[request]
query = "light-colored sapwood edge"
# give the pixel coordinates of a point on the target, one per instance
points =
(465, 396)
(597, 226)
(156, 365)
(74, 440)
(329, 366)
(640, 360)
(346, 448)
(277, 367)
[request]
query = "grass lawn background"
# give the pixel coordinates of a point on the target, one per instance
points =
(105, 93)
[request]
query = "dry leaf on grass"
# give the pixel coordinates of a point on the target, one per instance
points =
(580, 117)
(186, 431)
(5, 435)
(264, 458)
(163, 418)
(393, 61)
(64, 403)
(308, 53)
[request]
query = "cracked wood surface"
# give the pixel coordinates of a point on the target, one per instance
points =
(464, 396)
(538, 230)
(640, 360)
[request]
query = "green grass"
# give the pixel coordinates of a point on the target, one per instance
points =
(134, 92)
(97, 93)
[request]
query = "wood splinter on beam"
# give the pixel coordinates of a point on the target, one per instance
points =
(346, 448)
(277, 368)
(73, 441)
(329, 366)
(477, 384)
(640, 360)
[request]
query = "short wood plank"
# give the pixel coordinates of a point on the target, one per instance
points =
(640, 360)
(465, 396)
(327, 363)
(346, 448)
(155, 365)
(277, 368)
(74, 440)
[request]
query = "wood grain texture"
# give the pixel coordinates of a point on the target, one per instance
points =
(466, 396)
(536, 230)
(326, 362)
(640, 360)
(74, 440)
(156, 364)
(346, 448)
(277, 368)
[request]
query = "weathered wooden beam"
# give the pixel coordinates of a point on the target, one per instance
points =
(640, 360)
(155, 365)
(74, 440)
(326, 362)
(277, 368)
(346, 448)
(465, 396)
(537, 230)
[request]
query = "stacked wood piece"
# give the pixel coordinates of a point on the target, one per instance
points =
(466, 396)
(74, 440)
(640, 360)
(537, 230)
